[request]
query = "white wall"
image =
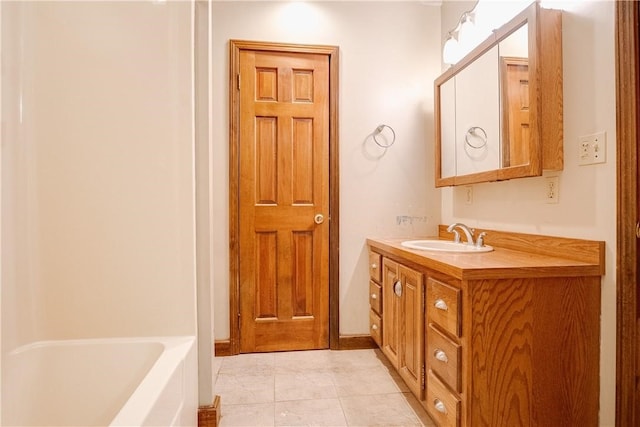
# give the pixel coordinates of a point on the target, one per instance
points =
(97, 170)
(587, 194)
(389, 57)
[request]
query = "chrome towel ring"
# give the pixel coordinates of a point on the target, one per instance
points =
(477, 134)
(378, 131)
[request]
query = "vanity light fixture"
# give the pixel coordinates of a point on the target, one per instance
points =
(476, 24)
(450, 51)
(459, 43)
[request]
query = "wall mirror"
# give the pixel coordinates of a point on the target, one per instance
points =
(498, 111)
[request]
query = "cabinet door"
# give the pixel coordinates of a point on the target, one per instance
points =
(478, 108)
(390, 311)
(411, 315)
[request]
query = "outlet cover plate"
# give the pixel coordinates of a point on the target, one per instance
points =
(592, 149)
(552, 189)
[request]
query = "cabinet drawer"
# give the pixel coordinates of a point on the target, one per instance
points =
(443, 306)
(375, 297)
(375, 327)
(375, 266)
(441, 404)
(443, 356)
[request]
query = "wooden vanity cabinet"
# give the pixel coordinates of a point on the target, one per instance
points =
(502, 339)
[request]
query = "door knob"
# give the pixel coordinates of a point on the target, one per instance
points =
(318, 219)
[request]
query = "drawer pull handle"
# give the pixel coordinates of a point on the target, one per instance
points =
(374, 266)
(441, 305)
(374, 327)
(437, 403)
(374, 296)
(397, 288)
(440, 355)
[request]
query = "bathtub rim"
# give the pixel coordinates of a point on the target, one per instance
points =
(138, 405)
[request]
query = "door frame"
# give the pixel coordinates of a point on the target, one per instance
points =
(235, 46)
(627, 122)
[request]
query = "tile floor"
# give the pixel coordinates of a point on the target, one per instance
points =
(319, 388)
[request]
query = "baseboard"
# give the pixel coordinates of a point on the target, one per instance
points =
(209, 416)
(356, 342)
(222, 348)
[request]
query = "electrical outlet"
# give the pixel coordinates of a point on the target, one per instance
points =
(552, 189)
(468, 195)
(592, 149)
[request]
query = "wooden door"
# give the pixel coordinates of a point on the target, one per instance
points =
(283, 200)
(515, 111)
(390, 312)
(628, 208)
(411, 361)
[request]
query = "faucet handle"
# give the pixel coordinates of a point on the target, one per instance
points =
(480, 240)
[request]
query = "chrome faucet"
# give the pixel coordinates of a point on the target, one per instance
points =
(467, 231)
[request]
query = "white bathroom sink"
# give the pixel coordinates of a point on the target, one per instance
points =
(444, 246)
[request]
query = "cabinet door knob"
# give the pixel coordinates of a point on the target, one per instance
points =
(440, 355)
(437, 403)
(374, 266)
(374, 296)
(374, 327)
(397, 288)
(440, 304)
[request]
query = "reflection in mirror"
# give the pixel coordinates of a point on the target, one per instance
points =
(499, 109)
(514, 93)
(477, 124)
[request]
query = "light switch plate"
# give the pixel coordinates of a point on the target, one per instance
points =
(468, 195)
(592, 149)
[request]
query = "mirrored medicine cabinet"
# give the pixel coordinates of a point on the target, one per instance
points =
(498, 112)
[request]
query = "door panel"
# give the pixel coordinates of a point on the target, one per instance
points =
(411, 364)
(283, 185)
(390, 312)
(515, 111)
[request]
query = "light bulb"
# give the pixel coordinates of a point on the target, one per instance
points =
(450, 51)
(467, 36)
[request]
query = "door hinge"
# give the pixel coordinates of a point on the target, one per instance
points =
(422, 378)
(238, 81)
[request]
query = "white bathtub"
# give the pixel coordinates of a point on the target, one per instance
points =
(100, 382)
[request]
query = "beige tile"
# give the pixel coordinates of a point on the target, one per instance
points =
(379, 410)
(245, 389)
(362, 381)
(320, 412)
(301, 386)
(248, 364)
(418, 410)
(303, 361)
(247, 415)
(216, 364)
(354, 359)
